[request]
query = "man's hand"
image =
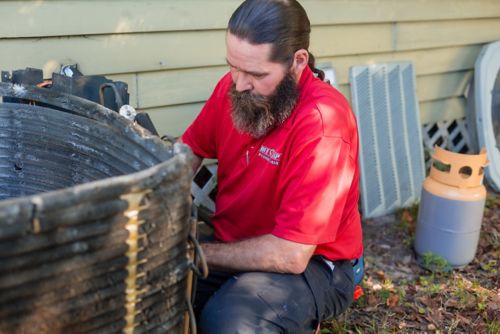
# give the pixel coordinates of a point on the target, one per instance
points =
(264, 253)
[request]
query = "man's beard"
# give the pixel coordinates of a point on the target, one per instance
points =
(256, 115)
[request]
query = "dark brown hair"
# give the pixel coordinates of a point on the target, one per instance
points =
(282, 23)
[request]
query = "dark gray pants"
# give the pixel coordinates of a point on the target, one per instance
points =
(259, 302)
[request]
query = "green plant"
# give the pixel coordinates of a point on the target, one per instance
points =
(409, 240)
(491, 201)
(481, 296)
(481, 306)
(434, 288)
(425, 281)
(493, 327)
(435, 263)
(384, 295)
(407, 223)
(453, 325)
(490, 266)
(401, 292)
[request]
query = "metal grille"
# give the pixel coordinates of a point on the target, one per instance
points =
(391, 153)
(451, 135)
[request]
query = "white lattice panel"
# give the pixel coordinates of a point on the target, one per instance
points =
(204, 187)
(451, 135)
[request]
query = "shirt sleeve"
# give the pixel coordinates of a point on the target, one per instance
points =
(318, 178)
(201, 135)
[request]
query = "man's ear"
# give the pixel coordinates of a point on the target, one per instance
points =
(300, 62)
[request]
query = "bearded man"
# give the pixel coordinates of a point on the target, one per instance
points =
(286, 223)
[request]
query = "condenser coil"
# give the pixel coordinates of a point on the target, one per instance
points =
(94, 219)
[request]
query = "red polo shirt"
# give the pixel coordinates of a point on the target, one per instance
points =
(299, 182)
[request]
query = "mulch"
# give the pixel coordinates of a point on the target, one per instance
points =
(402, 297)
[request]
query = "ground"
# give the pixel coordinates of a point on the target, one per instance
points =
(402, 297)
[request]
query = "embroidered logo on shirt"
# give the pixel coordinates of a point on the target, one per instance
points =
(270, 155)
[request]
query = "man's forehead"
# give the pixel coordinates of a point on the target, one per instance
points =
(244, 55)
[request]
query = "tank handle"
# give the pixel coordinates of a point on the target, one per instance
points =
(460, 170)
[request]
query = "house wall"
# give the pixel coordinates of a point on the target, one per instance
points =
(172, 52)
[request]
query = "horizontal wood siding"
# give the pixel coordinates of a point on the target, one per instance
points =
(98, 17)
(172, 53)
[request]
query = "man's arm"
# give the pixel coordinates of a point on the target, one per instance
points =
(196, 163)
(264, 253)
(197, 160)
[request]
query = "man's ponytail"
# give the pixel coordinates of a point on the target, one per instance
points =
(312, 65)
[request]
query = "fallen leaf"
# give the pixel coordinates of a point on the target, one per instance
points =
(452, 303)
(399, 310)
(380, 274)
(494, 304)
(480, 329)
(392, 301)
(371, 309)
(406, 216)
(411, 289)
(437, 315)
(424, 300)
(414, 325)
(462, 319)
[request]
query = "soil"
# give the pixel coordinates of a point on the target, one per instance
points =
(402, 297)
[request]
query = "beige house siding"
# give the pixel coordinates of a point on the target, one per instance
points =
(171, 52)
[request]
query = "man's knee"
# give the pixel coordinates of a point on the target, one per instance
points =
(223, 315)
(260, 303)
(237, 308)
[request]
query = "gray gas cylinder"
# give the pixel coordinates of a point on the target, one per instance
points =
(451, 207)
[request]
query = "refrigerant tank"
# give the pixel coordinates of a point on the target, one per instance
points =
(451, 207)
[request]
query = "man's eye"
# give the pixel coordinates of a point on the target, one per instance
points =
(258, 76)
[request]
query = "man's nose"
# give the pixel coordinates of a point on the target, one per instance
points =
(242, 82)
